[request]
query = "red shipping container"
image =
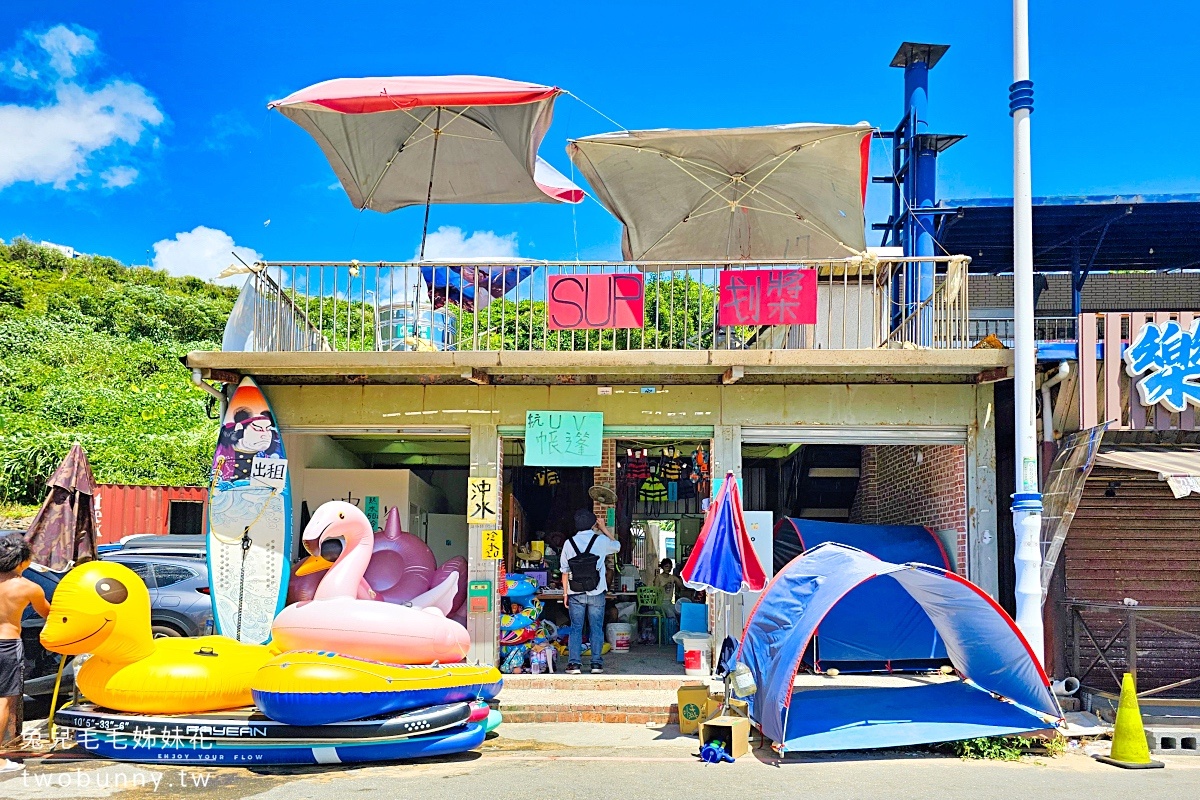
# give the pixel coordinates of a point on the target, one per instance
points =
(123, 510)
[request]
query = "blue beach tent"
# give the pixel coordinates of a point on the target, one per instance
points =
(1002, 690)
(877, 626)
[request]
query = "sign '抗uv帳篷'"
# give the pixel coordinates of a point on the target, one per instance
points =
(563, 438)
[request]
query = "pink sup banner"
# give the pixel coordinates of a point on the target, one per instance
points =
(590, 302)
(767, 297)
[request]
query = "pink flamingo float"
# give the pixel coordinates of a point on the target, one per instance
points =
(339, 619)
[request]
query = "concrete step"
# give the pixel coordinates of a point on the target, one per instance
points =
(599, 683)
(637, 706)
(598, 713)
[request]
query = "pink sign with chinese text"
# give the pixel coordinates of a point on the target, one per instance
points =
(768, 297)
(589, 302)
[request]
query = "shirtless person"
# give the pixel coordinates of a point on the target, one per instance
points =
(15, 593)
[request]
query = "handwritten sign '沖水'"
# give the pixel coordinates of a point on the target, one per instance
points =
(563, 438)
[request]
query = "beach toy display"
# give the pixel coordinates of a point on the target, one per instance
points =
(190, 700)
(103, 608)
(525, 638)
(315, 688)
(341, 541)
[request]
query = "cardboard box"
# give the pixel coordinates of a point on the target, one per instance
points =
(737, 708)
(693, 707)
(733, 732)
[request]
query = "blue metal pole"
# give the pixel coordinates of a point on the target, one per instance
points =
(923, 271)
(1076, 281)
(922, 193)
(916, 97)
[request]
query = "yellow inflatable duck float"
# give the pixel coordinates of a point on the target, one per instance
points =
(103, 608)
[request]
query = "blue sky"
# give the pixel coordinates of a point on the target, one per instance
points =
(132, 124)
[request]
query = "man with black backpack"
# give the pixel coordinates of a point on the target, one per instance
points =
(585, 586)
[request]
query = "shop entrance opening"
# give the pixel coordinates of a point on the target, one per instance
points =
(651, 494)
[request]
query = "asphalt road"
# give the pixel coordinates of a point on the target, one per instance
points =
(591, 762)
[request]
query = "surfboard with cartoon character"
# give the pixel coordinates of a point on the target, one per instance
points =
(249, 519)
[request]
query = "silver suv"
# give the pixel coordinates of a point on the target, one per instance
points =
(180, 604)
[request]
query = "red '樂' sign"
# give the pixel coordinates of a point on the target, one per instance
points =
(588, 302)
(768, 297)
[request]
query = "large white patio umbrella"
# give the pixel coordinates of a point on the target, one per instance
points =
(396, 142)
(774, 192)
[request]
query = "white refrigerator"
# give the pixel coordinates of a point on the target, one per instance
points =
(760, 525)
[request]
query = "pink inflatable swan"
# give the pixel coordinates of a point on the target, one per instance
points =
(341, 539)
(402, 568)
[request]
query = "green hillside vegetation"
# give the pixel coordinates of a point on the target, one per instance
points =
(89, 352)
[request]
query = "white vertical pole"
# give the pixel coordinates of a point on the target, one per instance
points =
(1027, 502)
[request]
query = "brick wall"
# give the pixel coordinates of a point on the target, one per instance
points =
(895, 488)
(606, 473)
(1101, 292)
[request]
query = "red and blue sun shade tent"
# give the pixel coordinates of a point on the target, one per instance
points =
(1002, 690)
(723, 559)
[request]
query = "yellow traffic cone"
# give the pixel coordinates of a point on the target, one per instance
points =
(1129, 747)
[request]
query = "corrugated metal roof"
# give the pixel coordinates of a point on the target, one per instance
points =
(1122, 232)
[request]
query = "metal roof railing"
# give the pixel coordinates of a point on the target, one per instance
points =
(500, 305)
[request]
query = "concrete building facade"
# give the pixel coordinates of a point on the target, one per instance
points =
(894, 403)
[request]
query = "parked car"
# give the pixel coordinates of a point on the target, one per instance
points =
(40, 664)
(174, 545)
(180, 604)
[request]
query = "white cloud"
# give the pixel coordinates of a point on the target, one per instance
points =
(23, 72)
(203, 252)
(118, 177)
(448, 242)
(65, 47)
(73, 128)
